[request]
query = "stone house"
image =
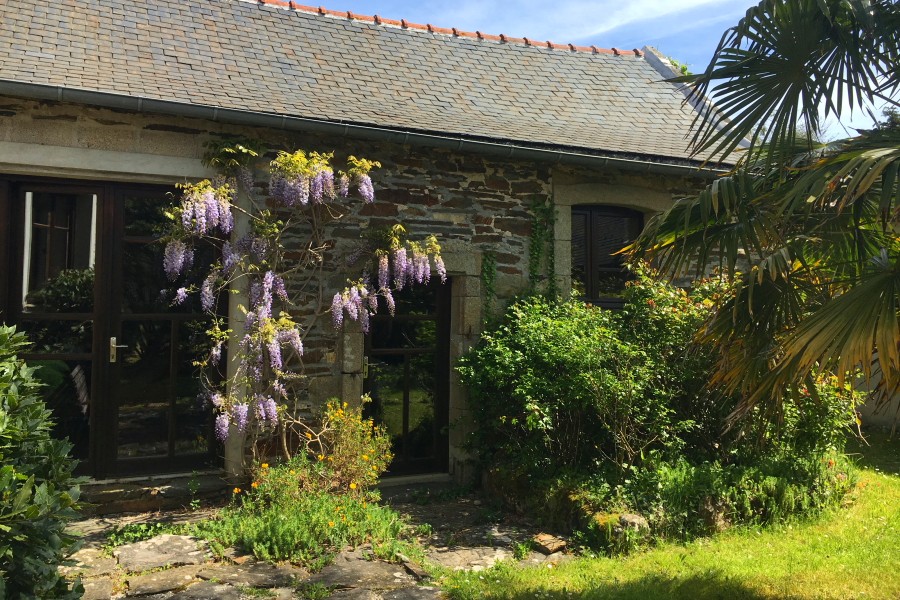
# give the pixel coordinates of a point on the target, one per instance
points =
(105, 105)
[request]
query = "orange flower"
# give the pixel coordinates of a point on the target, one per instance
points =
(254, 485)
(237, 490)
(308, 435)
(265, 465)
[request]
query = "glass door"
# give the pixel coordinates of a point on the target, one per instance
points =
(408, 376)
(85, 283)
(161, 423)
(52, 298)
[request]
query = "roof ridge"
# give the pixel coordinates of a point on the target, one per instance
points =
(453, 31)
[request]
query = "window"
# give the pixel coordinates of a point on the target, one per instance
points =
(598, 232)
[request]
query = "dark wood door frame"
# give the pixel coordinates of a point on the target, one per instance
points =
(107, 314)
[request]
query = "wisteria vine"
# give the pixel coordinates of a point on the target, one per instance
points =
(304, 194)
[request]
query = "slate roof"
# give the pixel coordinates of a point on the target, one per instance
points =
(276, 58)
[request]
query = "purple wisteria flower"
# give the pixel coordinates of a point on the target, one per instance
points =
(389, 299)
(216, 399)
(240, 416)
(401, 267)
(274, 350)
(366, 189)
(279, 389)
(292, 337)
(352, 304)
(343, 185)
(317, 187)
(180, 296)
(230, 258)
(215, 354)
(176, 259)
(207, 291)
(259, 403)
(296, 192)
(364, 320)
(279, 288)
(440, 268)
(384, 273)
(337, 310)
(222, 423)
(245, 179)
(271, 409)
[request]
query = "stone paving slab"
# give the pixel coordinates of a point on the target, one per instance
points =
(476, 559)
(162, 551)
(255, 574)
(208, 590)
(97, 589)
(91, 562)
(161, 581)
(353, 570)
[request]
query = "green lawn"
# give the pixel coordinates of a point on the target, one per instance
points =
(853, 552)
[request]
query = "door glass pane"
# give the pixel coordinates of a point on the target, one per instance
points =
(67, 392)
(59, 250)
(193, 418)
(144, 388)
(58, 335)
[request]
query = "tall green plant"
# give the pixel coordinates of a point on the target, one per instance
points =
(38, 494)
(818, 224)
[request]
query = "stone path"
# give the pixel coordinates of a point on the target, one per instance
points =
(181, 567)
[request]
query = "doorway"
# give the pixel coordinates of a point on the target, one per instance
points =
(407, 375)
(83, 279)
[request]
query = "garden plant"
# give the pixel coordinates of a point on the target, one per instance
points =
(38, 493)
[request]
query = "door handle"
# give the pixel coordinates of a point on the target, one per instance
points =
(114, 349)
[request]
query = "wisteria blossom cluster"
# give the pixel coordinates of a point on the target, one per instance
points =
(298, 179)
(271, 344)
(406, 263)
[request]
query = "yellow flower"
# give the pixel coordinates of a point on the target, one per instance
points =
(345, 405)
(330, 458)
(352, 486)
(237, 490)
(331, 523)
(365, 457)
(254, 485)
(265, 465)
(293, 472)
(308, 435)
(321, 457)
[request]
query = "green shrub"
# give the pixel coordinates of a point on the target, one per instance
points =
(311, 506)
(39, 494)
(582, 411)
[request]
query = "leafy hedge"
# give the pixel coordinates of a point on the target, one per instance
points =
(581, 410)
(38, 492)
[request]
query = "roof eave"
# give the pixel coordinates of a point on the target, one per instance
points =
(501, 149)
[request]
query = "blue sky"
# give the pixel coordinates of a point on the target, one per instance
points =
(686, 30)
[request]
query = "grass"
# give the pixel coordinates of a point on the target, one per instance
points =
(848, 553)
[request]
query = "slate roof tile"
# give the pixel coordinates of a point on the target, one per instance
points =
(269, 58)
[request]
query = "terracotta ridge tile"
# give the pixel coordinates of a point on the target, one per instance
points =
(450, 31)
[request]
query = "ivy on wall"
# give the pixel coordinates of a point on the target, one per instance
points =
(541, 247)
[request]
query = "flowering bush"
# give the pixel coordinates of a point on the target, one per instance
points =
(305, 193)
(319, 500)
(345, 453)
(581, 410)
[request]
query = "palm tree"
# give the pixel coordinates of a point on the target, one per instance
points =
(815, 228)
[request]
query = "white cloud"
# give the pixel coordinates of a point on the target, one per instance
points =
(572, 20)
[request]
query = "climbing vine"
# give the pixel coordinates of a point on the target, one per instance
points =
(277, 260)
(488, 283)
(541, 247)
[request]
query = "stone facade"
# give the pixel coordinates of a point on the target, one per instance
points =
(473, 203)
